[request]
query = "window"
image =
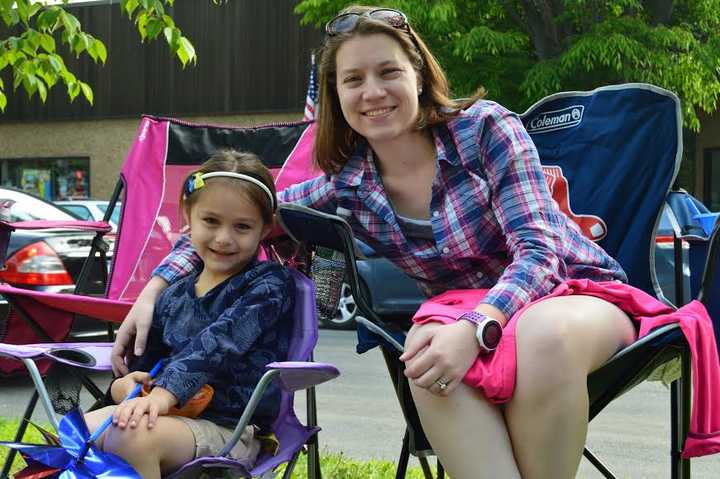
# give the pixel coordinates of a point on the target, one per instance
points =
(711, 187)
(49, 178)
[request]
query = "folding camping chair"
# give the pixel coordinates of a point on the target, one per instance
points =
(610, 156)
(164, 151)
(294, 374)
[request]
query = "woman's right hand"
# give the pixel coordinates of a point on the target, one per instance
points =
(136, 325)
(440, 352)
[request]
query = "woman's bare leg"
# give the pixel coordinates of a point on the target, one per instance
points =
(559, 342)
(467, 433)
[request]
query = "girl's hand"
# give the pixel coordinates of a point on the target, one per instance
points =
(437, 352)
(122, 387)
(157, 403)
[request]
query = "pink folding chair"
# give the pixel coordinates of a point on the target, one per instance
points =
(163, 153)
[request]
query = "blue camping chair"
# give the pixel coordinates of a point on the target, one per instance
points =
(610, 157)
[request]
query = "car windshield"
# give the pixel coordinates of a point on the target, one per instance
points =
(28, 208)
(115, 218)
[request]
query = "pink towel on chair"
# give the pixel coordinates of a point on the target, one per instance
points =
(494, 374)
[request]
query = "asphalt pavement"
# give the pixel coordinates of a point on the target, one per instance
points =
(360, 417)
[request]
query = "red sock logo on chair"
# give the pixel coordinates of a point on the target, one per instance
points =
(591, 226)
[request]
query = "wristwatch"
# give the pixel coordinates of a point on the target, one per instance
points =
(488, 332)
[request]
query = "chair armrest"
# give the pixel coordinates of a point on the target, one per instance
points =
(291, 376)
(296, 375)
(96, 226)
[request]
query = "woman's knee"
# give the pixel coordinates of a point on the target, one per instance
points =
(544, 335)
(571, 334)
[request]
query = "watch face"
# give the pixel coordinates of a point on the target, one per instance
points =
(491, 335)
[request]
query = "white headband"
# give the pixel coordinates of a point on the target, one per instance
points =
(240, 176)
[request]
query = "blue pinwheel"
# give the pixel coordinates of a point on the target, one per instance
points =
(74, 453)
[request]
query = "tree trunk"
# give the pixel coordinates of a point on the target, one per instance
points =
(543, 27)
(660, 11)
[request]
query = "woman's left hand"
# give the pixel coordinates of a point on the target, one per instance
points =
(437, 353)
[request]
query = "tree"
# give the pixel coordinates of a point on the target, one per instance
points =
(523, 50)
(31, 53)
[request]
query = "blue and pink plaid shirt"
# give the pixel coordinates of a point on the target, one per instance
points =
(494, 222)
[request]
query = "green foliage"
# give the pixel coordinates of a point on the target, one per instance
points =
(522, 51)
(32, 54)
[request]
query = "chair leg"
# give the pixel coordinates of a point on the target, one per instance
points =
(313, 458)
(680, 400)
(427, 471)
(595, 461)
(20, 433)
(404, 456)
(290, 466)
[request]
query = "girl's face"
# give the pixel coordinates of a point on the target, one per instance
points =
(225, 229)
(377, 87)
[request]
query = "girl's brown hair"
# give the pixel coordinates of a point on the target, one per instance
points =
(335, 140)
(235, 162)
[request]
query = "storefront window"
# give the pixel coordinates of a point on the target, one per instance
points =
(49, 178)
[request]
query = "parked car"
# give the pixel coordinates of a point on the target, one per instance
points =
(392, 293)
(47, 260)
(91, 210)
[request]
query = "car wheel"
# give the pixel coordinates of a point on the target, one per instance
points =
(347, 309)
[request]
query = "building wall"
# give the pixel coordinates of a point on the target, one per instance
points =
(104, 142)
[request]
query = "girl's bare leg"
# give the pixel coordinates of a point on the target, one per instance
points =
(559, 342)
(162, 449)
(467, 433)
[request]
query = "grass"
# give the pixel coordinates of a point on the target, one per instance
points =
(7, 433)
(334, 465)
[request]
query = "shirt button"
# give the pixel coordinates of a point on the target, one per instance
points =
(436, 214)
(446, 250)
(479, 274)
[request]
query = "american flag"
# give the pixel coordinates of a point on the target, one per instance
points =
(311, 99)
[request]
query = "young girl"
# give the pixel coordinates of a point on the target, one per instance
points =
(218, 327)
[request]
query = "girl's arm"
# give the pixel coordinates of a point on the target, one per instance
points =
(230, 336)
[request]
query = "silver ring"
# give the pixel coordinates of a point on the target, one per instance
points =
(441, 384)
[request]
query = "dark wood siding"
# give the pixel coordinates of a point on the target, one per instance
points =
(253, 56)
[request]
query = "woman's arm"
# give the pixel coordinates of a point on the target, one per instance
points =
(317, 193)
(534, 227)
(181, 261)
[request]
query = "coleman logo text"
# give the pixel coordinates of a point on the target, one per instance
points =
(556, 120)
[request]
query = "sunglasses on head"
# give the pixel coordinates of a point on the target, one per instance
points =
(346, 22)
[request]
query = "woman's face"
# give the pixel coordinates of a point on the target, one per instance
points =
(377, 87)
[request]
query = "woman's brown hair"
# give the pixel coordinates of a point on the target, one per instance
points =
(335, 140)
(235, 162)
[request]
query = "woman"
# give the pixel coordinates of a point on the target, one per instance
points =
(455, 196)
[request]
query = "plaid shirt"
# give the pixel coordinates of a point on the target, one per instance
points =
(494, 221)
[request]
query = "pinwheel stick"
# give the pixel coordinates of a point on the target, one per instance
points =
(134, 393)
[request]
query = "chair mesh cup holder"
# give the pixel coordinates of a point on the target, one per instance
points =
(328, 272)
(74, 356)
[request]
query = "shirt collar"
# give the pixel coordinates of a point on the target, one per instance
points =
(360, 170)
